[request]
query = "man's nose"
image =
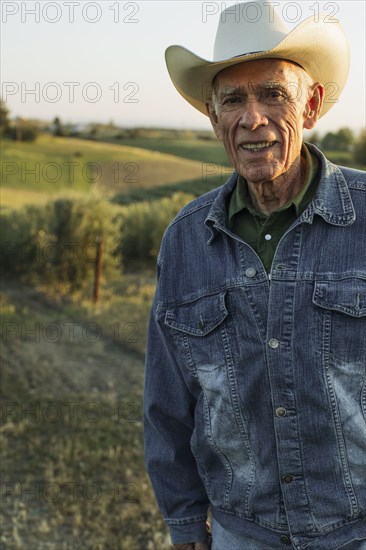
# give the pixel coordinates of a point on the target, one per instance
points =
(253, 116)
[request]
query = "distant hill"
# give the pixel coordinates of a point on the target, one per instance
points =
(209, 151)
(53, 164)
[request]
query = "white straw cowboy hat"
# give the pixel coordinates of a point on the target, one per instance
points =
(254, 30)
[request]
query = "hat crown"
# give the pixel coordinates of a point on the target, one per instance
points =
(247, 28)
(252, 31)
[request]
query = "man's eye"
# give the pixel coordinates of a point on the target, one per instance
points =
(232, 100)
(276, 95)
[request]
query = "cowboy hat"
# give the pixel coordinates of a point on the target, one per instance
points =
(254, 30)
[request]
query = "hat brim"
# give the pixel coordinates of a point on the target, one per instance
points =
(321, 48)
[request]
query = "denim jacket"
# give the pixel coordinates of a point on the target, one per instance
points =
(255, 383)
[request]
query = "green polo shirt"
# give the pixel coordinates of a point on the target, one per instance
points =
(263, 232)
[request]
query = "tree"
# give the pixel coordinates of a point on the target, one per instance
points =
(22, 130)
(346, 139)
(57, 127)
(4, 118)
(360, 148)
(329, 141)
(342, 140)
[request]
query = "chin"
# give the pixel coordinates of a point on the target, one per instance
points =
(261, 172)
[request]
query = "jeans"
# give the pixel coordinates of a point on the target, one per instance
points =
(225, 540)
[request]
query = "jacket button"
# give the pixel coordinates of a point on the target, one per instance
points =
(280, 411)
(288, 478)
(273, 343)
(285, 539)
(250, 272)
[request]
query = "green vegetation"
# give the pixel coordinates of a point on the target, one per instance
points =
(194, 187)
(342, 147)
(57, 244)
(342, 140)
(210, 151)
(360, 148)
(142, 228)
(343, 158)
(4, 118)
(53, 164)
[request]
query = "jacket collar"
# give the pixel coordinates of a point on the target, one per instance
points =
(332, 200)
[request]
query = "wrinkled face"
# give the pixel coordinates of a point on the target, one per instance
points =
(259, 110)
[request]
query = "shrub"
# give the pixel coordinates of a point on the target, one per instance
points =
(22, 237)
(57, 243)
(77, 226)
(143, 225)
(360, 148)
(26, 133)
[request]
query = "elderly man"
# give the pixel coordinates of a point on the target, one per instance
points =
(255, 401)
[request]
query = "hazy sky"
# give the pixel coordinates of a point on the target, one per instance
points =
(102, 61)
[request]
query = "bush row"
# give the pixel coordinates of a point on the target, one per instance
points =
(194, 187)
(58, 243)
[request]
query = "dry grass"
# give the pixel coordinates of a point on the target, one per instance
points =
(71, 433)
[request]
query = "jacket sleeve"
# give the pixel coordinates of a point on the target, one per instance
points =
(168, 424)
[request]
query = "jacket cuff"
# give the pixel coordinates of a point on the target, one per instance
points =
(187, 530)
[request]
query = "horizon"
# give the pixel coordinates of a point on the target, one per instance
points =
(84, 124)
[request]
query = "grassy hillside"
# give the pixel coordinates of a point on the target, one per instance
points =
(194, 187)
(52, 164)
(210, 151)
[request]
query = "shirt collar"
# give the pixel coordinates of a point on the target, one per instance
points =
(240, 198)
(332, 200)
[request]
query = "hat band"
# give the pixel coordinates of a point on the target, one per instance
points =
(248, 53)
(262, 51)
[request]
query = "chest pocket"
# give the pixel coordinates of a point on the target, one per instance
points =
(344, 302)
(197, 330)
(347, 296)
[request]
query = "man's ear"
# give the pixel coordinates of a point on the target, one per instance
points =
(313, 105)
(214, 120)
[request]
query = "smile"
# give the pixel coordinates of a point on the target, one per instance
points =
(256, 147)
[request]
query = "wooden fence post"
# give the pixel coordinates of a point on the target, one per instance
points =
(98, 268)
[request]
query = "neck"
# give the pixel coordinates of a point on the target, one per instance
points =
(268, 196)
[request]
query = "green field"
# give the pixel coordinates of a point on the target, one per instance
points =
(51, 165)
(343, 158)
(201, 150)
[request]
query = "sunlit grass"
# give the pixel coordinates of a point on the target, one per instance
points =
(52, 164)
(72, 469)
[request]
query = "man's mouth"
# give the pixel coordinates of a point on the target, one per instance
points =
(258, 146)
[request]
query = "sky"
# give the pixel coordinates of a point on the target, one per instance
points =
(104, 61)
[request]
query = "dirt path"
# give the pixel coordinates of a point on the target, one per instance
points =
(64, 356)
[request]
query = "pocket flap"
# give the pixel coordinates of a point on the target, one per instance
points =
(347, 296)
(198, 317)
